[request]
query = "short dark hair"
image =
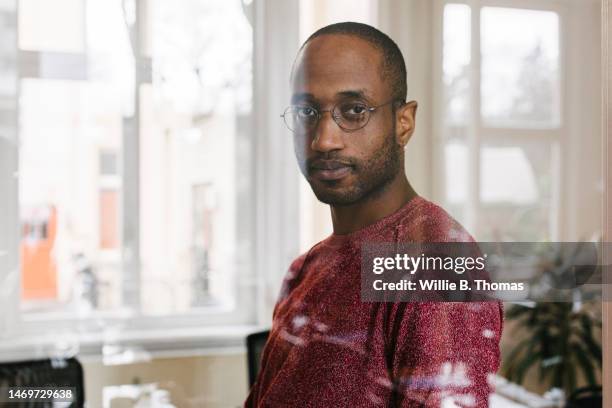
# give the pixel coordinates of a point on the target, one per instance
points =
(393, 65)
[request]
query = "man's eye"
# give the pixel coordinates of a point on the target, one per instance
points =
(354, 110)
(306, 112)
(357, 109)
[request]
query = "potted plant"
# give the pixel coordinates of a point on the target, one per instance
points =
(560, 340)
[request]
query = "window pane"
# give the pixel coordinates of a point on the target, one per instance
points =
(520, 67)
(195, 141)
(516, 192)
(109, 51)
(456, 63)
(69, 220)
(507, 177)
(55, 25)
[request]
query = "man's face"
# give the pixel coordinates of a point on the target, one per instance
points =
(342, 167)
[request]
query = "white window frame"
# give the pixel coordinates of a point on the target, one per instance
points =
(273, 211)
(556, 138)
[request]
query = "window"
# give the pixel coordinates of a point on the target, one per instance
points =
(195, 117)
(501, 115)
(520, 78)
(134, 146)
(139, 161)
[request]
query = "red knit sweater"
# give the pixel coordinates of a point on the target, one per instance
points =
(327, 348)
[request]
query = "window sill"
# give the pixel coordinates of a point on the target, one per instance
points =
(129, 346)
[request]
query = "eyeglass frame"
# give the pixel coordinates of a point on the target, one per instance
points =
(370, 109)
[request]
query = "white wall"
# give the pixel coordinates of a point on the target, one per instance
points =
(207, 381)
(583, 179)
(409, 24)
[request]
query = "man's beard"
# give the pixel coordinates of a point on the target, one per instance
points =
(373, 176)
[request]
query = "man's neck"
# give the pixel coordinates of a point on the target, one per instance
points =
(347, 219)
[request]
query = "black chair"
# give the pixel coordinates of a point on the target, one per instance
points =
(43, 373)
(586, 397)
(255, 344)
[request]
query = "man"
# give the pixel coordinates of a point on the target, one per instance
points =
(327, 348)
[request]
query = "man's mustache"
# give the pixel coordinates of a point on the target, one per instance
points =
(329, 163)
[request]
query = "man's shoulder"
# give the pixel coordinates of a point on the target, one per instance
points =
(297, 264)
(295, 272)
(429, 222)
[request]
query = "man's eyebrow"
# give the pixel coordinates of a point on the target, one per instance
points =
(352, 93)
(349, 93)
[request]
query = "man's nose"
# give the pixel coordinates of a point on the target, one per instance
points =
(327, 136)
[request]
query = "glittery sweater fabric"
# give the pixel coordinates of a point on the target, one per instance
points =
(327, 348)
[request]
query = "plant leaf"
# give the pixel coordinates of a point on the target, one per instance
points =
(512, 360)
(528, 360)
(585, 363)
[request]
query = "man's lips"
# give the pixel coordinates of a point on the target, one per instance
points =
(330, 169)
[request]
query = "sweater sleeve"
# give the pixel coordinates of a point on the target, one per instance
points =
(445, 352)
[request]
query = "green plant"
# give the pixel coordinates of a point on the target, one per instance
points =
(560, 340)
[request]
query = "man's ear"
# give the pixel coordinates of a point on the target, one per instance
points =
(406, 119)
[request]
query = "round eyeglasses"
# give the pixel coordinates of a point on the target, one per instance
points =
(349, 115)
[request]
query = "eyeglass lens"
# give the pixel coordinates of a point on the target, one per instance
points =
(349, 115)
